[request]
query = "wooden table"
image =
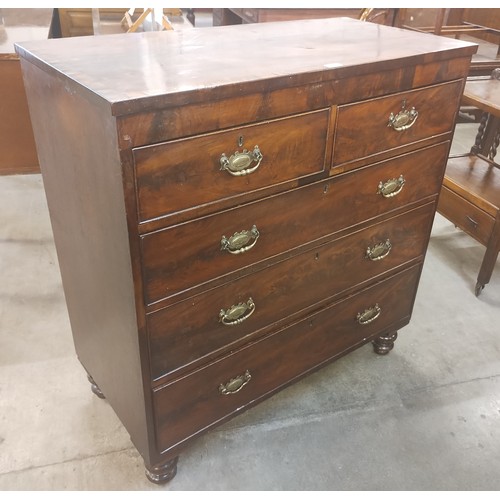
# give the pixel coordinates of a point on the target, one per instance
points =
(17, 145)
(470, 197)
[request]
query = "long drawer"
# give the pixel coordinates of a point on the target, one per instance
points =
(217, 319)
(228, 385)
(186, 173)
(385, 123)
(187, 255)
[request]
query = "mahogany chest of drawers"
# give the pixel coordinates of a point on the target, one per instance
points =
(235, 207)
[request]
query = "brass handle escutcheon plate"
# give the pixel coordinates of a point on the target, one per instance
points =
(240, 242)
(369, 315)
(235, 384)
(235, 315)
(404, 119)
(379, 251)
(392, 187)
(241, 163)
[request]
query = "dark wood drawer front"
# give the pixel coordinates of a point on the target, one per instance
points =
(277, 360)
(193, 328)
(187, 255)
(466, 216)
(183, 174)
(363, 130)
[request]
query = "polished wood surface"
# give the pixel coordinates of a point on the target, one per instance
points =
(144, 217)
(159, 73)
(273, 362)
(476, 180)
(191, 330)
(370, 138)
(16, 135)
(91, 238)
(466, 215)
(179, 175)
(285, 221)
(485, 94)
(470, 197)
(188, 119)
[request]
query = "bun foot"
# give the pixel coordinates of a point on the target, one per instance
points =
(95, 388)
(384, 343)
(163, 473)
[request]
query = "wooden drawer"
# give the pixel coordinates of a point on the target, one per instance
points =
(184, 174)
(188, 255)
(278, 359)
(466, 216)
(193, 328)
(362, 128)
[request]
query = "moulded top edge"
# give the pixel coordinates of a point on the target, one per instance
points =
(133, 71)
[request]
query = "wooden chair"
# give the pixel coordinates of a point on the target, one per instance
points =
(470, 196)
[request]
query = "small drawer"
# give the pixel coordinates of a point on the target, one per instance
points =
(370, 127)
(465, 215)
(194, 253)
(207, 323)
(228, 385)
(184, 174)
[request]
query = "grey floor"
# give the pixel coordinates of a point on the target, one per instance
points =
(425, 417)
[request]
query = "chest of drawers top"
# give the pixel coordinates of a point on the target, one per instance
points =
(144, 71)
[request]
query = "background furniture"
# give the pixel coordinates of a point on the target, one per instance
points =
(224, 229)
(470, 197)
(74, 21)
(479, 25)
(16, 136)
(227, 16)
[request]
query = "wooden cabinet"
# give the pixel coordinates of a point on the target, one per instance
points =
(17, 145)
(228, 221)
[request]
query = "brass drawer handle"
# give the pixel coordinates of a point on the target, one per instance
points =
(235, 384)
(236, 314)
(404, 119)
(240, 242)
(369, 315)
(240, 163)
(392, 187)
(379, 251)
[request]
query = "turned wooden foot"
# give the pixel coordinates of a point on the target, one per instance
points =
(162, 473)
(478, 289)
(95, 388)
(384, 343)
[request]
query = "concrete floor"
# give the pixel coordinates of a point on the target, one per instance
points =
(425, 417)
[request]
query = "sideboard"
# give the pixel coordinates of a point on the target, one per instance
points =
(234, 207)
